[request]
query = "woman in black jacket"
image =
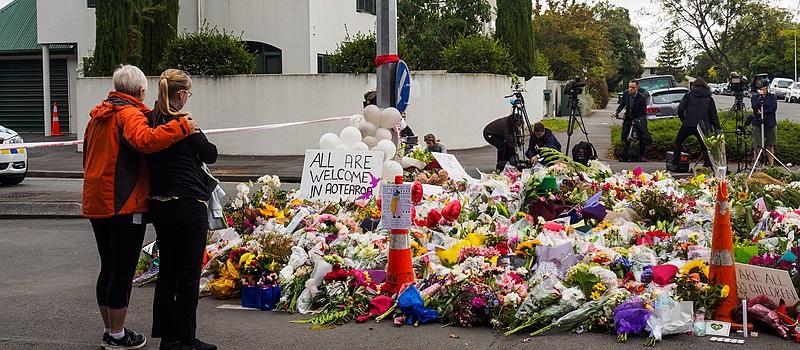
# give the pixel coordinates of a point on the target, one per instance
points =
(696, 107)
(179, 193)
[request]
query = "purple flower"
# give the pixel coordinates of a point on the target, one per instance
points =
(478, 302)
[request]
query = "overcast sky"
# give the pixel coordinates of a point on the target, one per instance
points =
(644, 14)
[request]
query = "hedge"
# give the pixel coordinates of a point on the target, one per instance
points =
(664, 132)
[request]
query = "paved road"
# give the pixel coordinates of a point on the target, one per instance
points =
(790, 111)
(47, 288)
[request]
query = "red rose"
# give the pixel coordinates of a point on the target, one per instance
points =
(416, 192)
(452, 210)
(502, 247)
(434, 216)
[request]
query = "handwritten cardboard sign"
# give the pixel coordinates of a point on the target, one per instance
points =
(775, 284)
(396, 207)
(333, 175)
(450, 163)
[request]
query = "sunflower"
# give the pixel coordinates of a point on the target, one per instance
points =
(743, 196)
(694, 266)
(269, 211)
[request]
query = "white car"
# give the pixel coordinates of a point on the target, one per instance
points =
(14, 160)
(794, 93)
(780, 87)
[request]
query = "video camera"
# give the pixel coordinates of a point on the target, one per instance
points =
(574, 87)
(737, 83)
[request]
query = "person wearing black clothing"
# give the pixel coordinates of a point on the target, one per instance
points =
(180, 190)
(498, 134)
(769, 102)
(634, 102)
(696, 108)
(542, 138)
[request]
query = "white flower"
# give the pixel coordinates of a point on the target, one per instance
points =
(512, 298)
(522, 271)
(244, 191)
(238, 203)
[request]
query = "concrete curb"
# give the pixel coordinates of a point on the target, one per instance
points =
(57, 174)
(40, 210)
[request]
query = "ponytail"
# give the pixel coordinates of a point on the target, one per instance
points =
(172, 81)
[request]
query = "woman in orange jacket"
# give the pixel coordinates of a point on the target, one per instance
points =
(115, 189)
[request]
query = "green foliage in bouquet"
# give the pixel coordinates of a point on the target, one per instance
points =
(655, 206)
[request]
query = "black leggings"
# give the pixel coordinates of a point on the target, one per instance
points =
(119, 241)
(684, 134)
(181, 229)
(504, 151)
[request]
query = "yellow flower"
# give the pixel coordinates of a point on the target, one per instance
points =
(269, 211)
(595, 295)
(698, 180)
(281, 218)
(694, 266)
(275, 266)
(725, 291)
(295, 202)
(743, 196)
(246, 258)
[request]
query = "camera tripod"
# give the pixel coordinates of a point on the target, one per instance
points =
(575, 119)
(739, 114)
(763, 148)
(521, 127)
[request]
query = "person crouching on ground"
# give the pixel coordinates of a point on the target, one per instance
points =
(696, 108)
(542, 138)
(116, 183)
(434, 145)
(179, 207)
(769, 102)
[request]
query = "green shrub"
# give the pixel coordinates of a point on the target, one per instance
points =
(209, 51)
(354, 55)
(664, 132)
(598, 88)
(477, 54)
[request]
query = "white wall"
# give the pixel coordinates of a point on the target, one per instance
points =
(330, 22)
(454, 107)
(280, 23)
(66, 21)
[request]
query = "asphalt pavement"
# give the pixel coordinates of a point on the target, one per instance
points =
(47, 289)
(788, 111)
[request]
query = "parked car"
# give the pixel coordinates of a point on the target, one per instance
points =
(794, 93)
(780, 86)
(656, 82)
(13, 161)
(716, 89)
(663, 103)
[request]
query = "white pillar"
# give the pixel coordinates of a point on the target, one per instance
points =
(46, 89)
(386, 45)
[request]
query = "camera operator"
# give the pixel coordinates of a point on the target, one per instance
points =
(498, 134)
(542, 138)
(634, 103)
(769, 102)
(696, 107)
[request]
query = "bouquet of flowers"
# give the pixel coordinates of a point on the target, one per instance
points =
(693, 285)
(716, 151)
(574, 319)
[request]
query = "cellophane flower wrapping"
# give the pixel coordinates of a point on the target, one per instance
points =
(715, 142)
(670, 317)
(631, 317)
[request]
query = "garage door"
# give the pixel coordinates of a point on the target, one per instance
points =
(21, 97)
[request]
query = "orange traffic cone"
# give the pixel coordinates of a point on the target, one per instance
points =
(722, 270)
(56, 127)
(399, 270)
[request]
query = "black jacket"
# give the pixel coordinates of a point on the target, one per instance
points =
(770, 103)
(698, 106)
(177, 171)
(635, 107)
(549, 140)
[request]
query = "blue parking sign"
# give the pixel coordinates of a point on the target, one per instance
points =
(402, 86)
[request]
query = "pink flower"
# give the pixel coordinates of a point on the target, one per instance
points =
(638, 171)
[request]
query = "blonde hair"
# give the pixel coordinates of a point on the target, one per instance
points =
(129, 80)
(171, 82)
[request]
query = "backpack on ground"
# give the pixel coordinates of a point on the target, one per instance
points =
(583, 152)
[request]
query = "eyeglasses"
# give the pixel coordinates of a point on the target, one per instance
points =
(188, 93)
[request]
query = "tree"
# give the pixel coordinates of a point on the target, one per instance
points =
(116, 43)
(627, 51)
(355, 54)
(670, 59)
(477, 54)
(209, 51)
(515, 30)
(158, 32)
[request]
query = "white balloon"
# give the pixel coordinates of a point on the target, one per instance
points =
(329, 141)
(360, 146)
(370, 141)
(350, 136)
(372, 114)
(367, 129)
(356, 120)
(383, 134)
(390, 170)
(390, 118)
(388, 148)
(342, 147)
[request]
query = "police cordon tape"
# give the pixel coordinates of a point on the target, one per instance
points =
(207, 132)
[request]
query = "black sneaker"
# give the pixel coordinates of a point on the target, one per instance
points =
(131, 340)
(199, 345)
(105, 339)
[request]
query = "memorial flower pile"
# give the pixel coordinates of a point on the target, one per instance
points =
(564, 248)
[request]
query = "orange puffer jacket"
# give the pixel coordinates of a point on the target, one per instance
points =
(116, 180)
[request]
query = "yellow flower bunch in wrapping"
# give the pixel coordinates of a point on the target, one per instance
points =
(450, 255)
(226, 284)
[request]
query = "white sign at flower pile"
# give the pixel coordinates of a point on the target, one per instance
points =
(396, 207)
(333, 175)
(450, 163)
(775, 284)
